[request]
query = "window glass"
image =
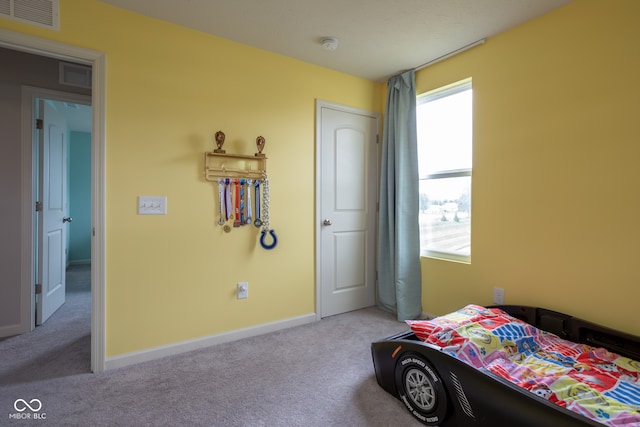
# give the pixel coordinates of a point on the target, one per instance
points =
(444, 121)
(444, 133)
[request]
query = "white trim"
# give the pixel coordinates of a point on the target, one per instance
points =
(27, 256)
(198, 343)
(99, 214)
(11, 330)
(97, 60)
(45, 47)
(446, 256)
(320, 104)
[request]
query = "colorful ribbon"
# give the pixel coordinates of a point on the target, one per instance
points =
(221, 200)
(227, 200)
(242, 212)
(236, 219)
(249, 185)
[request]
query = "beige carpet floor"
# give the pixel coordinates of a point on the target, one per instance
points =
(319, 374)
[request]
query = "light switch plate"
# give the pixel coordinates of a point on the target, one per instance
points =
(243, 290)
(152, 205)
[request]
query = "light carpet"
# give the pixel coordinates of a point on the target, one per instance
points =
(320, 374)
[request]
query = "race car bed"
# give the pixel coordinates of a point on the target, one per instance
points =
(512, 366)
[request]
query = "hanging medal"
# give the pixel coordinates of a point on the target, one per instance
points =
(242, 211)
(236, 219)
(227, 204)
(257, 222)
(249, 185)
(221, 219)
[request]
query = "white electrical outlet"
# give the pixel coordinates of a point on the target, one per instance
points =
(152, 205)
(243, 290)
(498, 295)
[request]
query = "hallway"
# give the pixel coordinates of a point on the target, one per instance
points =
(60, 347)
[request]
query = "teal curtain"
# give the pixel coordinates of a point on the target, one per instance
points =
(399, 278)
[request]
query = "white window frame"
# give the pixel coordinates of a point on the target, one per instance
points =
(456, 173)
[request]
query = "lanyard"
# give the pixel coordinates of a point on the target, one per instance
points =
(241, 188)
(227, 200)
(257, 222)
(249, 184)
(242, 211)
(221, 200)
(228, 213)
(236, 218)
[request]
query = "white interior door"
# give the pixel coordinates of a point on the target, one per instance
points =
(52, 221)
(347, 201)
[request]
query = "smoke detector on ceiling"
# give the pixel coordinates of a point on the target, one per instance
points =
(329, 43)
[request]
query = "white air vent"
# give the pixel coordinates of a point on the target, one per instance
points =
(75, 75)
(43, 13)
(5, 8)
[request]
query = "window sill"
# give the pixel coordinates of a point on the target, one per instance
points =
(445, 256)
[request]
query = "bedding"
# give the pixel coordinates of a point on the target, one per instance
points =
(591, 381)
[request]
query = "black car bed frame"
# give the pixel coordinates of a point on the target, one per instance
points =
(460, 395)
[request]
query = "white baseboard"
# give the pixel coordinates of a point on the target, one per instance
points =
(185, 346)
(11, 330)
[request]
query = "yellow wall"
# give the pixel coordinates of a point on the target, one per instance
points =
(555, 174)
(169, 89)
(555, 153)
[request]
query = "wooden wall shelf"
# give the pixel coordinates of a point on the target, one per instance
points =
(222, 165)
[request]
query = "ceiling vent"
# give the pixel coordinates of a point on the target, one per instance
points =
(75, 75)
(43, 13)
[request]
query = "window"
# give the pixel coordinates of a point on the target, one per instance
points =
(444, 124)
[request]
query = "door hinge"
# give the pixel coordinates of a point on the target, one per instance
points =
(38, 289)
(38, 206)
(39, 124)
(377, 138)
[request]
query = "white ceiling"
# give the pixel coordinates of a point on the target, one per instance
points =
(378, 38)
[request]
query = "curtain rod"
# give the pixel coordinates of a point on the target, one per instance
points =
(450, 54)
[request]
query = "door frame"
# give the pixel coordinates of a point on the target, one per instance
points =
(320, 104)
(97, 60)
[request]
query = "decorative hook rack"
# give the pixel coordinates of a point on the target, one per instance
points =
(219, 164)
(234, 174)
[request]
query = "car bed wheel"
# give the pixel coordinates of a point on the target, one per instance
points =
(420, 388)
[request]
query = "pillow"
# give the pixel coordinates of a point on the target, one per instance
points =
(424, 328)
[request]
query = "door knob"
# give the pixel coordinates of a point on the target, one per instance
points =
(326, 222)
(67, 219)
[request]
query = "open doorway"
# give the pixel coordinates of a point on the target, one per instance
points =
(17, 156)
(62, 175)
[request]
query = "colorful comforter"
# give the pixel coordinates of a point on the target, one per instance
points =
(591, 381)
